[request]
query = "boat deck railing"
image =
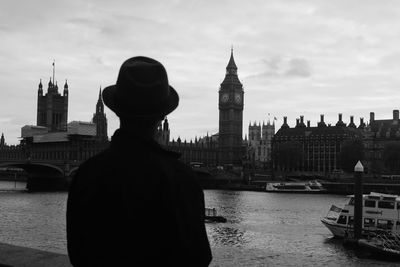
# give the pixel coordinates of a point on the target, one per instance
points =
(389, 241)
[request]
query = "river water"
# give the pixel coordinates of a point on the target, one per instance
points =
(263, 229)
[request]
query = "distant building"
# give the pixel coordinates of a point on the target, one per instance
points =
(318, 147)
(376, 136)
(162, 134)
(260, 143)
(52, 107)
(2, 140)
(100, 119)
(231, 102)
(203, 150)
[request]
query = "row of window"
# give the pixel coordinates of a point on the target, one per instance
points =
(369, 222)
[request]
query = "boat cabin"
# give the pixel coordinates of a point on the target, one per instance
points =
(380, 212)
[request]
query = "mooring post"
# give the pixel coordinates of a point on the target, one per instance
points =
(358, 192)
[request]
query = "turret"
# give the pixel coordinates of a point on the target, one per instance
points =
(50, 87)
(371, 117)
(2, 140)
(40, 90)
(66, 88)
(166, 125)
(99, 105)
(395, 115)
(99, 117)
(301, 123)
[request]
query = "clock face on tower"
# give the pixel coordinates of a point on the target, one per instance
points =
(224, 98)
(238, 98)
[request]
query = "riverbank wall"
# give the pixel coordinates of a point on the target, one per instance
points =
(17, 256)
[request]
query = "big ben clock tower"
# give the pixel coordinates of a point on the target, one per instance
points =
(230, 116)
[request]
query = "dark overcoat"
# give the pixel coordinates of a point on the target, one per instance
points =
(135, 204)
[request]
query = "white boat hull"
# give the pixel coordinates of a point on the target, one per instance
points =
(337, 230)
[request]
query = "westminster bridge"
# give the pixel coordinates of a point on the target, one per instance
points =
(49, 166)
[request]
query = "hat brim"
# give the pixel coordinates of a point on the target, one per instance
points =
(160, 111)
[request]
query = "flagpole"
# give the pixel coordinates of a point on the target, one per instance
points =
(54, 66)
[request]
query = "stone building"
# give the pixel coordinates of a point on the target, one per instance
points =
(319, 146)
(376, 135)
(100, 119)
(203, 151)
(52, 107)
(260, 143)
(230, 142)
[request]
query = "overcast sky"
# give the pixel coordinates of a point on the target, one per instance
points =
(294, 57)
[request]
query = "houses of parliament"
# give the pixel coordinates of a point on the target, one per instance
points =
(53, 138)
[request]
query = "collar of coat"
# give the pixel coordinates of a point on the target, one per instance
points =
(125, 139)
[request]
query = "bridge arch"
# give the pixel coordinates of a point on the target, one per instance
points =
(35, 168)
(72, 171)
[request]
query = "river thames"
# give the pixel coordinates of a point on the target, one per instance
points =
(263, 229)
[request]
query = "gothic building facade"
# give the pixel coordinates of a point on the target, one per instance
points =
(311, 149)
(231, 104)
(260, 143)
(52, 107)
(100, 119)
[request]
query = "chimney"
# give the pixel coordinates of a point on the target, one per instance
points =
(362, 124)
(297, 122)
(308, 124)
(285, 125)
(396, 114)
(351, 124)
(371, 117)
(321, 123)
(340, 122)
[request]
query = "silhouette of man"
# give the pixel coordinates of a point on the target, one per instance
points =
(135, 204)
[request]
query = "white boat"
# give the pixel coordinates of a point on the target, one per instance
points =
(296, 187)
(381, 212)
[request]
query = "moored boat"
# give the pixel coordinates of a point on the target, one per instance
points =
(296, 187)
(382, 244)
(380, 213)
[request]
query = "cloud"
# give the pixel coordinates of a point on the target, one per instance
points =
(281, 67)
(298, 67)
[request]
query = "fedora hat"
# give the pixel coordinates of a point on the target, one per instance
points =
(142, 90)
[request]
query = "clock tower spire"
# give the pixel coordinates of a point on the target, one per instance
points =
(230, 116)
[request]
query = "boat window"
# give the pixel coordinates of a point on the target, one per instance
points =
(351, 202)
(386, 204)
(369, 222)
(351, 220)
(384, 224)
(397, 225)
(369, 203)
(342, 219)
(389, 198)
(374, 197)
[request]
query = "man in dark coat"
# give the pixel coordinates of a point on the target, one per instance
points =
(135, 204)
